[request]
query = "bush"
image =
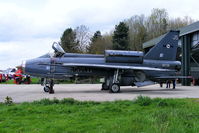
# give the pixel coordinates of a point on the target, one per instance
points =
(162, 103)
(44, 101)
(8, 100)
(143, 100)
(70, 101)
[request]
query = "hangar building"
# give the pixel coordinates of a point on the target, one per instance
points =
(188, 51)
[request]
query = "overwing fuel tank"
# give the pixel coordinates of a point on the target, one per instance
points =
(117, 56)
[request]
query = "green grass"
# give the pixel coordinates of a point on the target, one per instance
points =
(8, 82)
(143, 115)
(33, 81)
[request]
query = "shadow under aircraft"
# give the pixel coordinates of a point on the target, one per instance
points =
(119, 68)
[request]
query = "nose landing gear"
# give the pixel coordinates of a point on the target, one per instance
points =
(48, 85)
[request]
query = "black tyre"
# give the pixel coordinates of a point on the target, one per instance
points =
(104, 86)
(115, 88)
(51, 91)
(46, 89)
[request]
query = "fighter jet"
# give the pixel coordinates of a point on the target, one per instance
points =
(119, 68)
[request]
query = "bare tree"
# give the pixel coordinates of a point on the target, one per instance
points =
(137, 31)
(157, 22)
(176, 23)
(142, 29)
(83, 36)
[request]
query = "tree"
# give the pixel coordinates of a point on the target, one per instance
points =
(68, 41)
(99, 43)
(176, 23)
(95, 41)
(157, 23)
(128, 35)
(137, 32)
(142, 29)
(82, 37)
(121, 37)
(97, 35)
(108, 37)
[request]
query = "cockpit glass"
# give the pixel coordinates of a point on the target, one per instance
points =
(57, 48)
(56, 51)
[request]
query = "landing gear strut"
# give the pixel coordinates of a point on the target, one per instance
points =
(48, 85)
(51, 91)
(114, 86)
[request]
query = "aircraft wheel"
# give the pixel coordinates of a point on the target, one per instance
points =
(46, 89)
(115, 88)
(104, 86)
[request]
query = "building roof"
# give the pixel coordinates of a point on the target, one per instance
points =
(183, 31)
(152, 42)
(189, 28)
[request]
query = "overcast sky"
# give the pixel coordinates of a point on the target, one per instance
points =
(29, 27)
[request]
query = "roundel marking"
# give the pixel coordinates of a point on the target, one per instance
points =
(168, 46)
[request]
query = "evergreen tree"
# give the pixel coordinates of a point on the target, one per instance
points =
(96, 36)
(68, 41)
(121, 37)
(95, 41)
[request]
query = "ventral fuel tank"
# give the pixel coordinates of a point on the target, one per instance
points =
(118, 56)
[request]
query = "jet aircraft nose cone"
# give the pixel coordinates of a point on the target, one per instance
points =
(23, 65)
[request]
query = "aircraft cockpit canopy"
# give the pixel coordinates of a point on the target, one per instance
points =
(58, 50)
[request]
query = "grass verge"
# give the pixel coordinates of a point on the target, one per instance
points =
(144, 115)
(33, 81)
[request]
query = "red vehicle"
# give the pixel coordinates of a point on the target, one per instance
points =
(20, 78)
(2, 77)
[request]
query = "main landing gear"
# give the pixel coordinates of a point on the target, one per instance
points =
(112, 83)
(48, 85)
(105, 86)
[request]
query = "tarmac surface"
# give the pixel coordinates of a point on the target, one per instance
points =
(87, 92)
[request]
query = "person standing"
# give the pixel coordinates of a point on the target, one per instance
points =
(174, 83)
(168, 83)
(161, 84)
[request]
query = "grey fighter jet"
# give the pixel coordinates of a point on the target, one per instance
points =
(119, 68)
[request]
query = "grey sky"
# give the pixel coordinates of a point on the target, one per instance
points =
(29, 27)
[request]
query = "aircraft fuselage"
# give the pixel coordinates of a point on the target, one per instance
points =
(53, 67)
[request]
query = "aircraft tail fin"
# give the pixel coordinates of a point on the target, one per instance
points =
(166, 49)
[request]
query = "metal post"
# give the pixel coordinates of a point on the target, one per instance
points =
(186, 47)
